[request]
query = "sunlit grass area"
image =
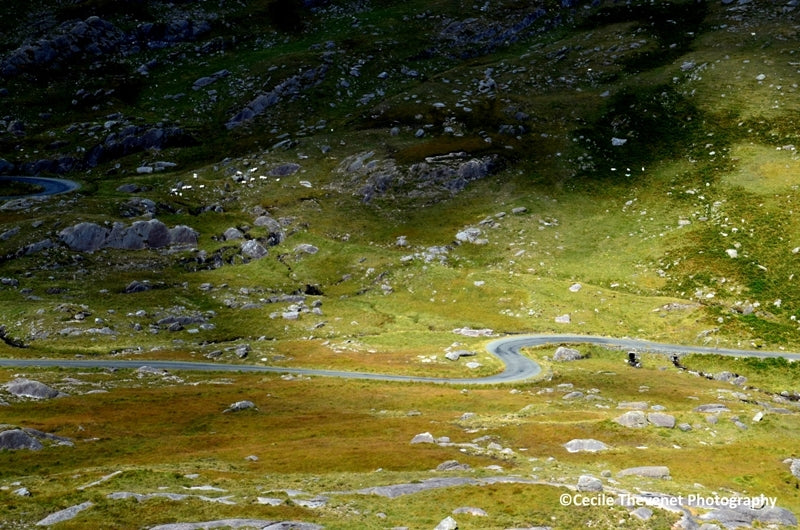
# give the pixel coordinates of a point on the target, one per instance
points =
(322, 437)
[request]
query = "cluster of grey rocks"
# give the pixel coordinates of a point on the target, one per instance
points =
(373, 178)
(287, 89)
(97, 39)
(91, 237)
(15, 438)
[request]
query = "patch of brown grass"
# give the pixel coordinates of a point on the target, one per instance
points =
(474, 145)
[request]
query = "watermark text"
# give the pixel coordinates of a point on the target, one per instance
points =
(667, 501)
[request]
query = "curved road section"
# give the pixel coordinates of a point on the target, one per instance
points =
(51, 186)
(517, 366)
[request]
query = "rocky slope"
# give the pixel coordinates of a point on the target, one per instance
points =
(377, 185)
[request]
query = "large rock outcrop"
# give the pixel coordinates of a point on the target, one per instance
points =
(134, 139)
(16, 439)
(436, 177)
(95, 38)
(288, 89)
(71, 41)
(91, 237)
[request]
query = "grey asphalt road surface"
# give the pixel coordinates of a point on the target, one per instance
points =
(52, 186)
(507, 349)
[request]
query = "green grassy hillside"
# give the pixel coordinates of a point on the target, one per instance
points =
(409, 169)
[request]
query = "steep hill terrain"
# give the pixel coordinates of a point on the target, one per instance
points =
(380, 186)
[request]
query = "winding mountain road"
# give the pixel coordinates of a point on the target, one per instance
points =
(517, 366)
(50, 186)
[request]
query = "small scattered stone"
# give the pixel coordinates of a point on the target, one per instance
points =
(453, 465)
(232, 234)
(424, 438)
(240, 405)
(456, 355)
(646, 471)
(269, 501)
(447, 524)
(149, 370)
(136, 287)
(794, 467)
(712, 408)
(64, 515)
(589, 483)
(305, 248)
(588, 445)
(632, 405)
(470, 510)
(284, 170)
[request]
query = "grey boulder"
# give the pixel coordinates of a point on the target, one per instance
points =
(28, 388)
(456, 355)
(275, 233)
(588, 445)
(84, 237)
(232, 233)
(253, 249)
(241, 405)
(659, 419)
(566, 354)
(64, 515)
(589, 483)
(16, 439)
(634, 419)
(183, 235)
(284, 170)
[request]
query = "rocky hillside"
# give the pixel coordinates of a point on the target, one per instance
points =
(384, 186)
(99, 89)
(361, 137)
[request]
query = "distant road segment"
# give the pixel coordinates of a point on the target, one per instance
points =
(52, 186)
